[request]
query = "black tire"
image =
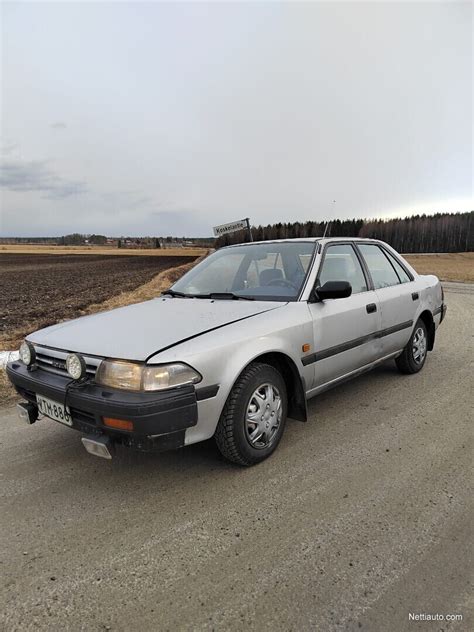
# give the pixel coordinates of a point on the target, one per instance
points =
(411, 361)
(234, 430)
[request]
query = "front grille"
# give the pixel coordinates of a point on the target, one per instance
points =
(54, 361)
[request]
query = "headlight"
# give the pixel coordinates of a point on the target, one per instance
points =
(159, 377)
(27, 353)
(125, 375)
(76, 366)
(131, 376)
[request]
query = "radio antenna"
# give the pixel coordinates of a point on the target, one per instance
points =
(328, 224)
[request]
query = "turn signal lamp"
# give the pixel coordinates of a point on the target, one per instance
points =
(118, 424)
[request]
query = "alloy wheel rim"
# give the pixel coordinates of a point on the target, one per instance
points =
(419, 345)
(263, 416)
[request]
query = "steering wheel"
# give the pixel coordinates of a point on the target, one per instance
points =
(282, 283)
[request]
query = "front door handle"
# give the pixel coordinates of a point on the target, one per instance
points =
(371, 308)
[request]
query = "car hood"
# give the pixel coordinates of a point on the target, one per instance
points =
(141, 330)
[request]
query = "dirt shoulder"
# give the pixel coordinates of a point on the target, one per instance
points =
(8, 394)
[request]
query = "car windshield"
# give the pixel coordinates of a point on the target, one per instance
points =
(268, 271)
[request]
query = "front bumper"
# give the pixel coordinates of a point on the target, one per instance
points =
(160, 419)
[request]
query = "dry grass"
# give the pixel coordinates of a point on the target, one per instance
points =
(36, 249)
(8, 394)
(458, 266)
(11, 340)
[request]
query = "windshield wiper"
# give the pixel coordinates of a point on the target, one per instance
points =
(218, 296)
(225, 296)
(175, 293)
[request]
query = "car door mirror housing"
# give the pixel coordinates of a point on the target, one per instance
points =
(333, 289)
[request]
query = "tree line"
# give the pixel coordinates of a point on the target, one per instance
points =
(77, 239)
(443, 232)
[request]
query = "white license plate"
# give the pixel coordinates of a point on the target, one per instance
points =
(54, 410)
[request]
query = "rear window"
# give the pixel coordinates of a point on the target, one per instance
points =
(382, 272)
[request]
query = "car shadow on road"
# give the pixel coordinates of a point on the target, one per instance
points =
(350, 390)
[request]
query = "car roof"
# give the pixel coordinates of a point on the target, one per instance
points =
(323, 240)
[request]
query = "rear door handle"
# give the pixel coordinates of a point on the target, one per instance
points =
(371, 308)
(415, 296)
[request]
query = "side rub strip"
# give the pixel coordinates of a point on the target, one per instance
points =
(351, 344)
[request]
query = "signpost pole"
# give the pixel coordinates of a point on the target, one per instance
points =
(247, 219)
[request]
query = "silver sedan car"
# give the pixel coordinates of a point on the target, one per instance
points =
(237, 345)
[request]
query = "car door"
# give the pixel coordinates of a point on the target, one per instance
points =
(344, 327)
(396, 293)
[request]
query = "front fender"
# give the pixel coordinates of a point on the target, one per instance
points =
(221, 356)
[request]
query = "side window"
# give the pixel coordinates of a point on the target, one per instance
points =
(381, 270)
(341, 264)
(403, 276)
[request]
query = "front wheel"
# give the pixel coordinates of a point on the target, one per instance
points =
(252, 422)
(413, 355)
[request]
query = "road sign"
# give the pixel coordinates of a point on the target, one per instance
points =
(232, 227)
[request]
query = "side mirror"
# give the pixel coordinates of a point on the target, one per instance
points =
(334, 289)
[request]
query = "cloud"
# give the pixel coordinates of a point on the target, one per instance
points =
(36, 176)
(58, 125)
(6, 149)
(127, 198)
(178, 222)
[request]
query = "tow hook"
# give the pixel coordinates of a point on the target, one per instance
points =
(99, 446)
(27, 412)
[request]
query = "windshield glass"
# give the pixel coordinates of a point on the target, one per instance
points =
(263, 271)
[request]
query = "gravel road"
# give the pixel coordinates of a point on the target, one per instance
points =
(360, 518)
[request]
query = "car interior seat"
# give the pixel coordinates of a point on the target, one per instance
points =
(271, 274)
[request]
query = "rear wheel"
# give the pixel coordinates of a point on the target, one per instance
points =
(254, 416)
(413, 356)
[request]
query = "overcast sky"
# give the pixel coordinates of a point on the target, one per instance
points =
(156, 119)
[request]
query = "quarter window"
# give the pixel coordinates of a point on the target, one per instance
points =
(341, 264)
(381, 270)
(402, 274)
